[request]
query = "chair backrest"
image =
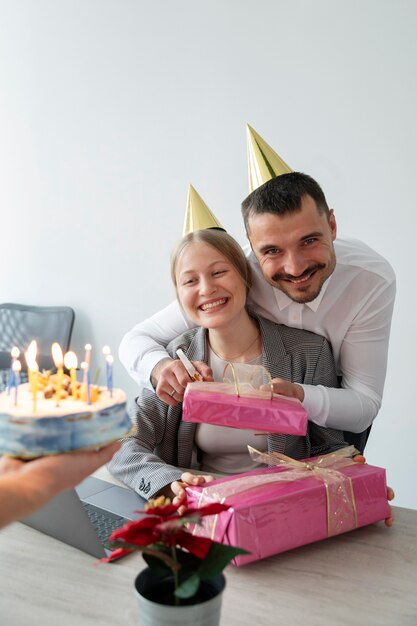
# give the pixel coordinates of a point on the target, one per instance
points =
(20, 323)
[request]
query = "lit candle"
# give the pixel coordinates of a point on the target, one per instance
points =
(109, 373)
(71, 363)
(85, 367)
(87, 359)
(107, 353)
(30, 356)
(16, 375)
(59, 362)
(15, 353)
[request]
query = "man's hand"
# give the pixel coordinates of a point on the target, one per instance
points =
(187, 480)
(359, 458)
(285, 388)
(170, 379)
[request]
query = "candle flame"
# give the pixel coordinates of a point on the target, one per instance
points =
(88, 346)
(109, 359)
(30, 356)
(32, 350)
(106, 350)
(15, 353)
(84, 365)
(16, 367)
(31, 362)
(57, 355)
(70, 360)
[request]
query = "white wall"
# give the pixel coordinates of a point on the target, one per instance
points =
(109, 108)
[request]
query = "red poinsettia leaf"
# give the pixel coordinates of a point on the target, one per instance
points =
(140, 532)
(116, 554)
(199, 546)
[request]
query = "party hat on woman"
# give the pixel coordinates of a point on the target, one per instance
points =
(197, 215)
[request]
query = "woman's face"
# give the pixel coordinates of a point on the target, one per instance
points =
(210, 289)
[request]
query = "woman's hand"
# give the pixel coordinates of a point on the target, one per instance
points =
(170, 379)
(187, 480)
(359, 458)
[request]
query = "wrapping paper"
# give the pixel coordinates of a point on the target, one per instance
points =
(219, 404)
(280, 508)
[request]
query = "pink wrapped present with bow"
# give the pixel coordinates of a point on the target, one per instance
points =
(292, 504)
(238, 402)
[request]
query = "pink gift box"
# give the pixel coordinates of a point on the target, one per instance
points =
(273, 517)
(218, 404)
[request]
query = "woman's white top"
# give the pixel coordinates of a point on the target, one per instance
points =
(223, 449)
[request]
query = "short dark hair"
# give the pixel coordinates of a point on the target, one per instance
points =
(283, 194)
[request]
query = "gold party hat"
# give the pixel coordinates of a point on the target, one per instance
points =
(198, 216)
(263, 161)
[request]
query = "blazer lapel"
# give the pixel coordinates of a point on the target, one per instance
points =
(274, 357)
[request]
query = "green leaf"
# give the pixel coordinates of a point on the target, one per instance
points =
(188, 588)
(217, 559)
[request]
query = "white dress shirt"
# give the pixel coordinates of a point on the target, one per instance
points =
(353, 311)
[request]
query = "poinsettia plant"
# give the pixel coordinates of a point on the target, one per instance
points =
(170, 549)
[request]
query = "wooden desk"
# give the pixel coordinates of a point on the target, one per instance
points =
(366, 577)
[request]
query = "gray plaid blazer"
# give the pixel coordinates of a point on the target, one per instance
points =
(149, 460)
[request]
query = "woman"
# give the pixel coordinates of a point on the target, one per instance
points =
(212, 279)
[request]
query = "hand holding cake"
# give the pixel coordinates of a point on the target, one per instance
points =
(55, 413)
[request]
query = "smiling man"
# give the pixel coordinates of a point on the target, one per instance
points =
(306, 278)
(303, 277)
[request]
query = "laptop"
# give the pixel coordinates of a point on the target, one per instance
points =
(86, 516)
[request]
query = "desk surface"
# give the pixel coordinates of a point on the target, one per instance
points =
(367, 577)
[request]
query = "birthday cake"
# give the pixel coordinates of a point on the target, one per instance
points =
(51, 425)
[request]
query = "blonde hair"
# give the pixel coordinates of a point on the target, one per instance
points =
(222, 242)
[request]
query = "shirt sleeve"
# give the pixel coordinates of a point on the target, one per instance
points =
(144, 346)
(136, 464)
(363, 364)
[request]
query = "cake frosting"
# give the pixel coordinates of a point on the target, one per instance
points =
(53, 429)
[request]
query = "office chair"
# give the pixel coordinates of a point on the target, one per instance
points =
(20, 323)
(358, 439)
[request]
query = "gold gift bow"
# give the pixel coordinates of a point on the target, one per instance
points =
(340, 499)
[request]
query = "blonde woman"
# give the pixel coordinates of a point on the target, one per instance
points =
(212, 279)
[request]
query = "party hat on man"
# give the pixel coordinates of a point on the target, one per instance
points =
(263, 162)
(197, 215)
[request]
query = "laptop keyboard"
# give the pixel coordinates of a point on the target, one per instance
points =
(104, 522)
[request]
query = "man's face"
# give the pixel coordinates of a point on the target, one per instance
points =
(295, 250)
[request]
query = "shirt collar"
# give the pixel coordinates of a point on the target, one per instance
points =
(284, 301)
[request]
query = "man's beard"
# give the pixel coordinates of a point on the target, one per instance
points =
(308, 297)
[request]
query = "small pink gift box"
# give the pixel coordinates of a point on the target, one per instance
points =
(219, 404)
(272, 513)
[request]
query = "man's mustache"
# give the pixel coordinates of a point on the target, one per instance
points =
(309, 270)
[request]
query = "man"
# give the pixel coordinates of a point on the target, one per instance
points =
(302, 277)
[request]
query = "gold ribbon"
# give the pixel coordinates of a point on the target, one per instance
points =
(340, 498)
(250, 370)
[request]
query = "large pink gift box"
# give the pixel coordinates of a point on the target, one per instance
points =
(218, 404)
(268, 516)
